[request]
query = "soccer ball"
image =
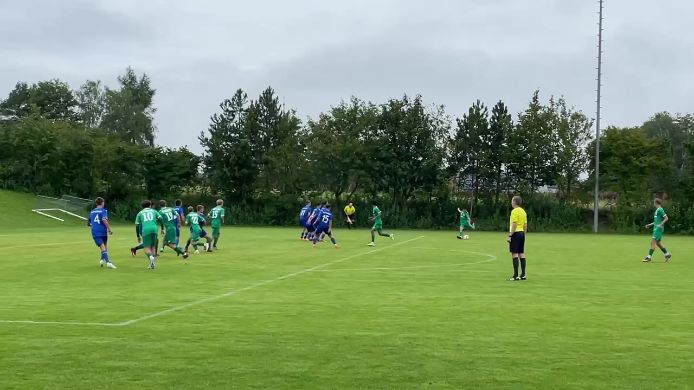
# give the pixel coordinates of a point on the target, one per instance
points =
(466, 237)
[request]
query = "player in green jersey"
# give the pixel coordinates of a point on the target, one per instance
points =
(170, 217)
(658, 225)
(377, 218)
(148, 220)
(464, 222)
(194, 220)
(216, 215)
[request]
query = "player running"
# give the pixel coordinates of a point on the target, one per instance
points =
(378, 226)
(149, 220)
(193, 220)
(217, 217)
(310, 223)
(658, 225)
(304, 214)
(325, 226)
(98, 221)
(464, 222)
(181, 219)
(170, 219)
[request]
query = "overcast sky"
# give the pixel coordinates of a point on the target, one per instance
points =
(316, 53)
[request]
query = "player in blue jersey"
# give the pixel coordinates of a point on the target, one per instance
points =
(303, 218)
(98, 221)
(325, 226)
(311, 222)
(181, 219)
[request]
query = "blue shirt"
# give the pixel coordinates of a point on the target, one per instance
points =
(179, 210)
(318, 213)
(96, 218)
(324, 219)
(305, 213)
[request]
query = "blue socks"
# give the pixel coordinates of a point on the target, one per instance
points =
(104, 256)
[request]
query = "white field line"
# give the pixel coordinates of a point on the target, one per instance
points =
(489, 259)
(215, 297)
(48, 215)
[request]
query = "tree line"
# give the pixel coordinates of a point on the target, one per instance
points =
(411, 156)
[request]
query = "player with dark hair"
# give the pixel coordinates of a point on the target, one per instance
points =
(377, 218)
(325, 226)
(464, 222)
(98, 221)
(304, 214)
(181, 219)
(659, 220)
(216, 216)
(149, 221)
(170, 218)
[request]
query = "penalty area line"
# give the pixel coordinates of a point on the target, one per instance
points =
(215, 297)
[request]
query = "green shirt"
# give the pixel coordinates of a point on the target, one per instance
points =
(377, 215)
(193, 219)
(217, 214)
(170, 217)
(658, 218)
(148, 219)
(464, 217)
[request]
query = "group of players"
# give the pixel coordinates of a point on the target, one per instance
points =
(168, 220)
(316, 223)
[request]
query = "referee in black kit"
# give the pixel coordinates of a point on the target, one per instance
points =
(516, 237)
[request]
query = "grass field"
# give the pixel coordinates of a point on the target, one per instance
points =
(269, 312)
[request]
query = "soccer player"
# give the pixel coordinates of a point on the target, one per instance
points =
(516, 237)
(310, 229)
(325, 226)
(149, 221)
(181, 219)
(98, 221)
(303, 219)
(350, 212)
(658, 225)
(377, 218)
(193, 220)
(203, 233)
(217, 217)
(170, 219)
(464, 222)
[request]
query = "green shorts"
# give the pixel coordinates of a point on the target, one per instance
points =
(149, 240)
(195, 234)
(378, 226)
(216, 231)
(170, 236)
(658, 234)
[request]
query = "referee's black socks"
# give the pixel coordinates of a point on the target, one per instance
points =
(522, 264)
(515, 267)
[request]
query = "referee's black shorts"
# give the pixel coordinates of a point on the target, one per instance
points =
(517, 244)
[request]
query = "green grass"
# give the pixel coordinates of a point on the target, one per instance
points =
(425, 311)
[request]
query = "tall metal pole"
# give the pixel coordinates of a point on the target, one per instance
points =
(596, 204)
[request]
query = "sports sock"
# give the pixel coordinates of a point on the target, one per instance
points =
(522, 265)
(147, 255)
(373, 236)
(216, 239)
(104, 256)
(187, 245)
(662, 248)
(515, 267)
(332, 239)
(650, 252)
(179, 250)
(382, 234)
(141, 246)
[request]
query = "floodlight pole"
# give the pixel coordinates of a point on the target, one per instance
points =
(596, 204)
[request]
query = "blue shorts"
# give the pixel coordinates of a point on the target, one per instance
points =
(203, 233)
(178, 231)
(302, 222)
(100, 240)
(323, 229)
